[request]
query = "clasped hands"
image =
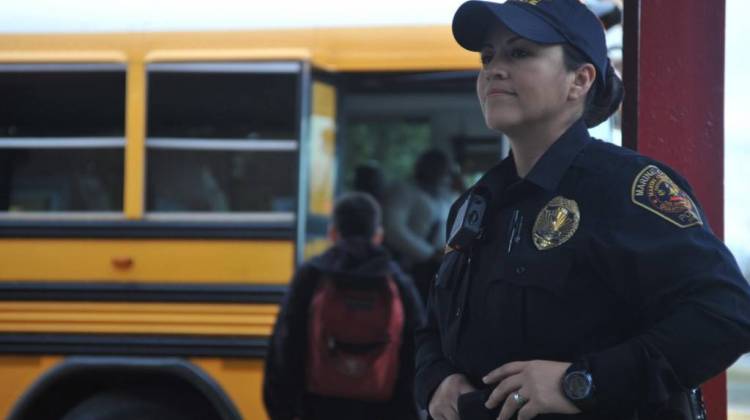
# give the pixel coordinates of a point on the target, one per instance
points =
(527, 388)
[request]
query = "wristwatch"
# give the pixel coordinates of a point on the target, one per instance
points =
(578, 386)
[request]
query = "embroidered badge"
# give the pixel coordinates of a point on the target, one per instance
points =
(656, 192)
(556, 223)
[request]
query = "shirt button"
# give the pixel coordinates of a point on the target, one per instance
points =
(520, 269)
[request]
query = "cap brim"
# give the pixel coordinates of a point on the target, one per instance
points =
(474, 18)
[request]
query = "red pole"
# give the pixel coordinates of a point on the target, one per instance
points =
(674, 106)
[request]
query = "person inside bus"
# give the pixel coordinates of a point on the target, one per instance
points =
(322, 363)
(369, 178)
(414, 217)
(581, 279)
(186, 184)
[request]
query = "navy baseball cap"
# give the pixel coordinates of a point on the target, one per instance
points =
(540, 21)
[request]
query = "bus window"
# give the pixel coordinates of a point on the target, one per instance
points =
(223, 101)
(62, 136)
(223, 138)
(221, 181)
(60, 180)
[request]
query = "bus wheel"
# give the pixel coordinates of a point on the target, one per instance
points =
(124, 405)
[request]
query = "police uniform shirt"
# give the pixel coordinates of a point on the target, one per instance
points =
(598, 254)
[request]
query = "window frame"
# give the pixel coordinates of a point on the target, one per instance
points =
(294, 145)
(68, 142)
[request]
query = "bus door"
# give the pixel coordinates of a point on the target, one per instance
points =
(319, 169)
(389, 118)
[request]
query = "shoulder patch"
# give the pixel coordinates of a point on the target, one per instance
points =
(656, 192)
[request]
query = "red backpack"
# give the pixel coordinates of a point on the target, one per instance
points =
(354, 339)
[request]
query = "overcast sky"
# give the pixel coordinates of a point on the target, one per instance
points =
(164, 15)
(737, 133)
(96, 15)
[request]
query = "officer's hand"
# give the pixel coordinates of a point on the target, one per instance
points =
(538, 383)
(444, 402)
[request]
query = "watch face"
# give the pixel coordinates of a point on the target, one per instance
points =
(577, 385)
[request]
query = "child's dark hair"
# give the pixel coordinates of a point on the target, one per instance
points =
(601, 101)
(356, 214)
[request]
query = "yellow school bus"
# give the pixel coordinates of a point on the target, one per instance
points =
(158, 189)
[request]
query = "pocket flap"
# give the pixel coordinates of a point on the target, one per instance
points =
(549, 272)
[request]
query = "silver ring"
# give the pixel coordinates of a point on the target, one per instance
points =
(519, 399)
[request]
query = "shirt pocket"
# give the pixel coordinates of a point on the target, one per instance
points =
(545, 274)
(548, 312)
(526, 302)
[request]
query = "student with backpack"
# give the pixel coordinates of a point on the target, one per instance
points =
(343, 343)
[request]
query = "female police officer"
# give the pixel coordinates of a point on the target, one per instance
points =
(595, 287)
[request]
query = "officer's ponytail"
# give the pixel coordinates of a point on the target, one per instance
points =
(602, 100)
